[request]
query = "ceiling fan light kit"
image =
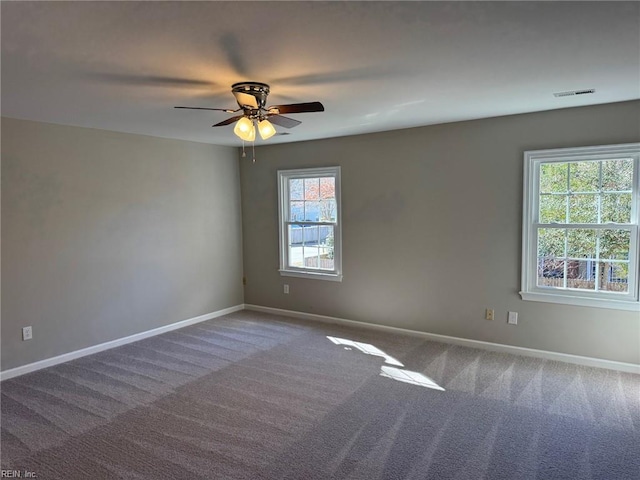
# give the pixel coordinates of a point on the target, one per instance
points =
(266, 129)
(252, 100)
(245, 130)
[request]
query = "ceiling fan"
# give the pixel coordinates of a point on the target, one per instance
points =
(252, 100)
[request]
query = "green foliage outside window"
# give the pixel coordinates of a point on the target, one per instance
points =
(589, 192)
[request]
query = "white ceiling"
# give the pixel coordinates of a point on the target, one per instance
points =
(375, 66)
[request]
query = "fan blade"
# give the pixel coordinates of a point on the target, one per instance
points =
(149, 80)
(228, 110)
(323, 78)
(228, 121)
(230, 45)
(297, 108)
(285, 122)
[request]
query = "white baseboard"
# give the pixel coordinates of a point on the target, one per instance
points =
(496, 347)
(49, 362)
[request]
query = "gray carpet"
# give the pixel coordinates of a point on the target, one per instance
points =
(255, 396)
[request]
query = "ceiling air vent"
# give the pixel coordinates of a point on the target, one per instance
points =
(574, 92)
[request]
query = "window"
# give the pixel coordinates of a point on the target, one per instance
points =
(309, 215)
(580, 226)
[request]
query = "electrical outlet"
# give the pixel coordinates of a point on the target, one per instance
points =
(27, 333)
(488, 314)
(286, 288)
(513, 318)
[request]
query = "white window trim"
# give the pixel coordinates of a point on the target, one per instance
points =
(283, 205)
(530, 290)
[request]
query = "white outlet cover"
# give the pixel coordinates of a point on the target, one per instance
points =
(513, 318)
(27, 333)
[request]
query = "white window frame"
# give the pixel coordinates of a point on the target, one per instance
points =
(530, 289)
(284, 221)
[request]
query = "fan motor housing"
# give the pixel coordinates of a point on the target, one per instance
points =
(259, 91)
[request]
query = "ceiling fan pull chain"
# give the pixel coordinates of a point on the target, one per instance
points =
(254, 151)
(243, 152)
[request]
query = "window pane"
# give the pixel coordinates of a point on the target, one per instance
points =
(553, 177)
(295, 256)
(311, 255)
(312, 211)
(327, 187)
(327, 263)
(328, 211)
(296, 211)
(550, 272)
(614, 277)
(581, 243)
(551, 242)
(615, 244)
(581, 274)
(617, 174)
(616, 207)
(296, 189)
(327, 240)
(553, 208)
(310, 235)
(295, 235)
(584, 176)
(311, 188)
(583, 209)
(295, 245)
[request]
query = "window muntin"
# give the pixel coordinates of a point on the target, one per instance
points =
(580, 235)
(310, 222)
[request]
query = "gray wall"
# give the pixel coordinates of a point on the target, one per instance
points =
(432, 230)
(107, 234)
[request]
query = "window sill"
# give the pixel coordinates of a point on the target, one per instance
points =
(633, 306)
(332, 277)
